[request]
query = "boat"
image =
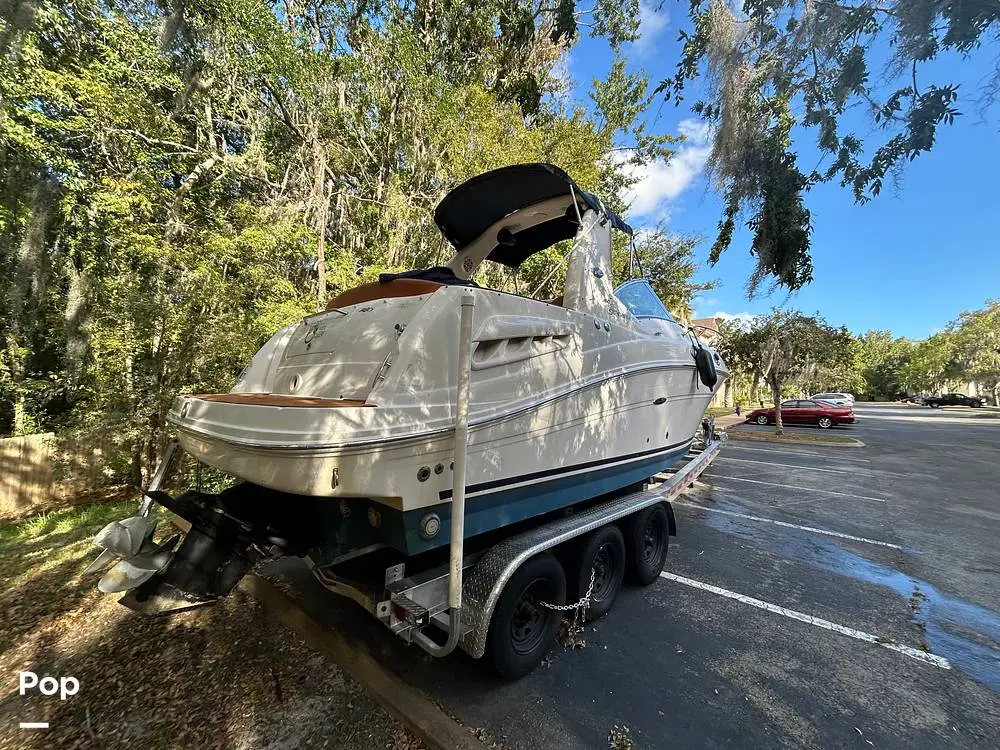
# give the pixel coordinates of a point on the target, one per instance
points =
(342, 429)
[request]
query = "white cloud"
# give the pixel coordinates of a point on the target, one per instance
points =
(653, 21)
(658, 182)
(700, 302)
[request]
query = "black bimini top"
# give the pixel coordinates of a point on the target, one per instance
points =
(475, 205)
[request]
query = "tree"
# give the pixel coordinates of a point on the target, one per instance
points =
(881, 358)
(786, 347)
(977, 346)
(182, 179)
(774, 69)
(931, 363)
(739, 346)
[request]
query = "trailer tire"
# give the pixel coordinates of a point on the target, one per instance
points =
(647, 537)
(603, 552)
(521, 631)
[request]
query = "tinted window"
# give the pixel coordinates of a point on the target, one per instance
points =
(827, 396)
(640, 299)
(807, 404)
(789, 404)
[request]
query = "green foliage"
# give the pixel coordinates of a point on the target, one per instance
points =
(880, 362)
(786, 348)
(875, 364)
(774, 68)
(182, 179)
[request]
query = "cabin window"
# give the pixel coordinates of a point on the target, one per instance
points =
(640, 299)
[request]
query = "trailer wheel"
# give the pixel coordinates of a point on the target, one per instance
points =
(647, 537)
(603, 553)
(521, 630)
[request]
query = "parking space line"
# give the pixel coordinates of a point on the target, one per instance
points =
(794, 487)
(795, 466)
(913, 653)
(730, 446)
(812, 529)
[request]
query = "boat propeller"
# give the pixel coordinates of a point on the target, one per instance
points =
(140, 558)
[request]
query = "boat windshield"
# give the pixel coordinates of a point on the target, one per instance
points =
(640, 299)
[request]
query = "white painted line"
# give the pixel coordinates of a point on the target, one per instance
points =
(913, 653)
(795, 466)
(813, 529)
(34, 725)
(732, 446)
(794, 487)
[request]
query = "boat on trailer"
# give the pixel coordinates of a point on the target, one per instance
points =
(423, 410)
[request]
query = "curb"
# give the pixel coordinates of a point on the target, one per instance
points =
(744, 435)
(422, 717)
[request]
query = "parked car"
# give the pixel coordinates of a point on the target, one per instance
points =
(953, 399)
(912, 399)
(840, 399)
(822, 413)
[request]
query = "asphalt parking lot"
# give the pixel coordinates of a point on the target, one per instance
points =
(814, 597)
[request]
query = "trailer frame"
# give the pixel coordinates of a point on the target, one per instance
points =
(409, 602)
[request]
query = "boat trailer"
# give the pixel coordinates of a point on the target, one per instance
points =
(408, 601)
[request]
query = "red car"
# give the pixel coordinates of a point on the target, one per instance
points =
(820, 413)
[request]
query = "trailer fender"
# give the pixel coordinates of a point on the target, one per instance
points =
(488, 577)
(670, 518)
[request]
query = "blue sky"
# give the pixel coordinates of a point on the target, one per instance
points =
(909, 261)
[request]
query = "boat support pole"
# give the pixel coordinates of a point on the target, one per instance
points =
(457, 549)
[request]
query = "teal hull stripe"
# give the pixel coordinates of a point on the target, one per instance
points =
(498, 483)
(504, 507)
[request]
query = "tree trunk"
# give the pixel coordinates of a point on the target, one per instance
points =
(25, 296)
(776, 395)
(322, 216)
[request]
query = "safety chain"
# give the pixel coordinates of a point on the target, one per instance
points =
(570, 636)
(583, 604)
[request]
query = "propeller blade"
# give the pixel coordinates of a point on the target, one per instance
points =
(123, 576)
(125, 538)
(149, 547)
(127, 574)
(103, 559)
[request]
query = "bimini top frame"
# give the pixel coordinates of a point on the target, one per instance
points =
(509, 214)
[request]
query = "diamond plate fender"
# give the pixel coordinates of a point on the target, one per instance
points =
(486, 580)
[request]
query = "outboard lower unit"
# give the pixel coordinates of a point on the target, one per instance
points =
(228, 534)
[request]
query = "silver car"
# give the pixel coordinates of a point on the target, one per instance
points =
(840, 399)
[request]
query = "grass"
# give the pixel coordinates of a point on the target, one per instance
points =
(220, 676)
(719, 411)
(790, 437)
(80, 518)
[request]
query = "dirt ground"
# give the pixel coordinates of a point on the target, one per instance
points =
(226, 676)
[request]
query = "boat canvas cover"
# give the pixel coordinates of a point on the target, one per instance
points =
(475, 205)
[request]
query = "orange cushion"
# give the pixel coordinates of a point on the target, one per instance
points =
(376, 290)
